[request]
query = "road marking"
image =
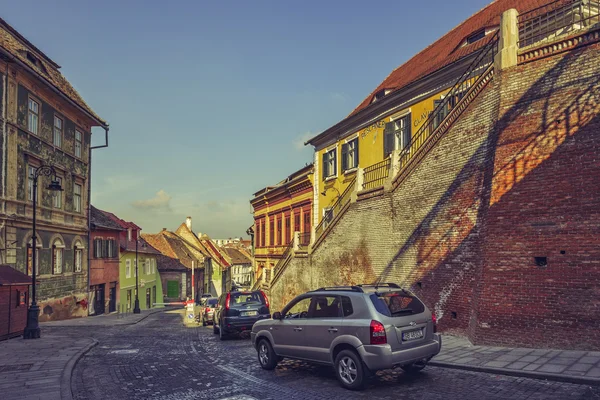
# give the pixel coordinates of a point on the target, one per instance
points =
(125, 351)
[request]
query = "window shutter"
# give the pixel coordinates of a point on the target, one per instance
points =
(355, 153)
(324, 165)
(407, 131)
(104, 248)
(334, 162)
(344, 156)
(388, 139)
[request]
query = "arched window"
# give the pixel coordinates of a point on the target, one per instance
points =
(58, 248)
(78, 256)
(38, 245)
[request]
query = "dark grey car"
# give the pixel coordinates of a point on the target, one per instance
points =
(237, 311)
(356, 329)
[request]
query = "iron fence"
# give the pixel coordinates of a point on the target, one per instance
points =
(557, 18)
(484, 58)
(340, 203)
(376, 174)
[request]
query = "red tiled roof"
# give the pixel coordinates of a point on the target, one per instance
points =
(17, 46)
(446, 50)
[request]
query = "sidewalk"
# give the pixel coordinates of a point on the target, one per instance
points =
(40, 368)
(112, 319)
(581, 367)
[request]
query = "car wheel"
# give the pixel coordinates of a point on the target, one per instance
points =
(349, 370)
(204, 321)
(222, 336)
(416, 366)
(266, 355)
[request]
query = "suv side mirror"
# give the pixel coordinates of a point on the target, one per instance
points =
(276, 315)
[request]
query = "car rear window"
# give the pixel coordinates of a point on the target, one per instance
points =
(239, 299)
(397, 304)
(212, 302)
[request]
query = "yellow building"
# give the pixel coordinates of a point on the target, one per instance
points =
(281, 212)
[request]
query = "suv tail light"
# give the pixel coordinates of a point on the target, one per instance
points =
(434, 320)
(378, 333)
(266, 298)
(207, 309)
(227, 299)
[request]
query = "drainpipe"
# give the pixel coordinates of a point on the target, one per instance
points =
(89, 207)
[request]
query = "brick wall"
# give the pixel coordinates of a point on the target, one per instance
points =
(516, 177)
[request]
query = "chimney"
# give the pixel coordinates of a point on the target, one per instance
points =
(188, 223)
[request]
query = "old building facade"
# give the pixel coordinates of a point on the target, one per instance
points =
(488, 212)
(279, 212)
(44, 121)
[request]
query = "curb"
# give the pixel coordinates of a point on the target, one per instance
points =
(579, 380)
(65, 380)
(108, 324)
(141, 319)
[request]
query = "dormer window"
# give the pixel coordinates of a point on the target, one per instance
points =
(476, 36)
(34, 60)
(381, 94)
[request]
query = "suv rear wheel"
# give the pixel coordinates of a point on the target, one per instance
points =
(349, 370)
(266, 355)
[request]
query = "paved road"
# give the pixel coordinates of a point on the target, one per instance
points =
(159, 358)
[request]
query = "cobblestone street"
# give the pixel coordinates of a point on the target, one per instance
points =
(160, 358)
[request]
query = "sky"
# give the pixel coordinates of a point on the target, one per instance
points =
(209, 102)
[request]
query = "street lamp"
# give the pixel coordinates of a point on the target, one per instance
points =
(32, 329)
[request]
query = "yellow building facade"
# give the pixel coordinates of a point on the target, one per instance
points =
(279, 212)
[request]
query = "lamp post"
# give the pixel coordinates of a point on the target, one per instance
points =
(136, 307)
(32, 329)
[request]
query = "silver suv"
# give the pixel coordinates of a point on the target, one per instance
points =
(356, 329)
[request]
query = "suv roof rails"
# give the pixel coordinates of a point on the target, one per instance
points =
(383, 284)
(340, 288)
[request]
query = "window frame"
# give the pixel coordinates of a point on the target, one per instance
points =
(58, 194)
(31, 182)
(330, 162)
(128, 268)
(30, 112)
(78, 142)
(78, 259)
(58, 256)
(60, 131)
(347, 153)
(77, 205)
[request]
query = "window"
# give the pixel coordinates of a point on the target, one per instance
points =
(78, 146)
(397, 135)
(350, 155)
(30, 257)
(57, 256)
(58, 131)
(393, 304)
(57, 195)
(327, 215)
(129, 234)
(297, 227)
(77, 197)
(326, 307)
(329, 164)
(279, 242)
(30, 179)
(298, 310)
(129, 298)
(263, 242)
(288, 230)
(272, 231)
(33, 116)
(128, 269)
(78, 259)
(476, 36)
(347, 306)
(111, 249)
(306, 221)
(98, 247)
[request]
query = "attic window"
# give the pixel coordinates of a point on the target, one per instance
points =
(32, 58)
(380, 94)
(476, 36)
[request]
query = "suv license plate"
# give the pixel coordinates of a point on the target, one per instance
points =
(249, 313)
(412, 335)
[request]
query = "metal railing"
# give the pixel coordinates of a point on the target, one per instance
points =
(286, 254)
(376, 174)
(557, 18)
(437, 118)
(304, 240)
(340, 203)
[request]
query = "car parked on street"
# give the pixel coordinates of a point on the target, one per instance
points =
(207, 310)
(237, 311)
(356, 329)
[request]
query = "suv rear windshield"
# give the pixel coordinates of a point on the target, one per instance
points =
(212, 302)
(239, 299)
(397, 304)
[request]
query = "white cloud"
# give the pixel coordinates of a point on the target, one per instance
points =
(301, 139)
(160, 200)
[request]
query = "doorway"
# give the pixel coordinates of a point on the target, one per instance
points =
(112, 298)
(148, 298)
